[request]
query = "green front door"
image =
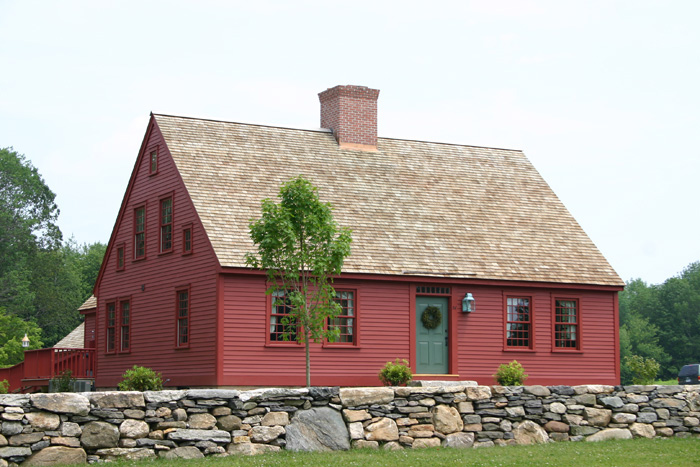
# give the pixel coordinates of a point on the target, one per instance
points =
(431, 344)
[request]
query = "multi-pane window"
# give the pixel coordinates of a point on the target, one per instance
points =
(153, 167)
(166, 224)
(183, 318)
(566, 324)
(125, 325)
(346, 320)
(518, 323)
(187, 240)
(432, 290)
(140, 232)
(111, 325)
(120, 257)
(282, 325)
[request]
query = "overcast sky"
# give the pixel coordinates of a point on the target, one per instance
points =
(602, 96)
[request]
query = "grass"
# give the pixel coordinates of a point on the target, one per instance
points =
(668, 382)
(636, 452)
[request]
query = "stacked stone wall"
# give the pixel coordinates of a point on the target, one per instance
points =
(41, 429)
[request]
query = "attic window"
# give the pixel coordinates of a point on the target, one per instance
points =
(120, 257)
(153, 162)
(140, 232)
(187, 239)
(166, 225)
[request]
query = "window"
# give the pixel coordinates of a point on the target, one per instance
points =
(347, 319)
(187, 240)
(153, 163)
(124, 327)
(118, 323)
(282, 326)
(432, 290)
(140, 232)
(183, 318)
(120, 258)
(518, 323)
(111, 324)
(566, 324)
(166, 225)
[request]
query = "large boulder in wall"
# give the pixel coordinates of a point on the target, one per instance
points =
(318, 429)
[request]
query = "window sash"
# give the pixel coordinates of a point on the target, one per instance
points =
(346, 321)
(566, 325)
(111, 321)
(280, 321)
(140, 232)
(125, 326)
(153, 167)
(187, 240)
(120, 257)
(518, 322)
(183, 318)
(166, 224)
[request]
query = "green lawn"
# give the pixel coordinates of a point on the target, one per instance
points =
(668, 382)
(637, 452)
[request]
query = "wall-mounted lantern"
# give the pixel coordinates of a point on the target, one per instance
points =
(25, 341)
(468, 303)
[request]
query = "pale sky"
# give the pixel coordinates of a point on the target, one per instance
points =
(602, 96)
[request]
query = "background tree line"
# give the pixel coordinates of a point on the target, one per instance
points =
(43, 279)
(661, 322)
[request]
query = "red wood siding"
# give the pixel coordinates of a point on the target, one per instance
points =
(481, 347)
(383, 307)
(89, 331)
(151, 283)
(386, 309)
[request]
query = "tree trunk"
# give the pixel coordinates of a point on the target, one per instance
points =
(308, 361)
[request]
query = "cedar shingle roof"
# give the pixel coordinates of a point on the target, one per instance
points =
(415, 208)
(74, 339)
(89, 304)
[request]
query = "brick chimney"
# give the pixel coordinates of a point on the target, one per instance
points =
(351, 112)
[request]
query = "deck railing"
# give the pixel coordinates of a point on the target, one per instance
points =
(39, 366)
(13, 375)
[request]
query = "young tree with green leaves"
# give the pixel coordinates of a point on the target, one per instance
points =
(301, 247)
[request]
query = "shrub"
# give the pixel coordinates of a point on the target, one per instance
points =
(397, 373)
(140, 378)
(643, 370)
(4, 386)
(510, 374)
(63, 382)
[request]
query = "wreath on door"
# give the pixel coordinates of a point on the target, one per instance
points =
(431, 317)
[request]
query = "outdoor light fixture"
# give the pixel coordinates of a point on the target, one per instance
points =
(25, 341)
(468, 303)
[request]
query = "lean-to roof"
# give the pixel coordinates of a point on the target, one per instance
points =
(415, 208)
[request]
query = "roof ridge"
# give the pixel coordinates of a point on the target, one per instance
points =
(326, 130)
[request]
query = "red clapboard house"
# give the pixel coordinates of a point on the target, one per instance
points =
(473, 232)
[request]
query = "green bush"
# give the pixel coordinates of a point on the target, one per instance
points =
(140, 378)
(397, 373)
(63, 382)
(510, 374)
(4, 386)
(643, 370)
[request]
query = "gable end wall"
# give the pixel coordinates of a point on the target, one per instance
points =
(151, 283)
